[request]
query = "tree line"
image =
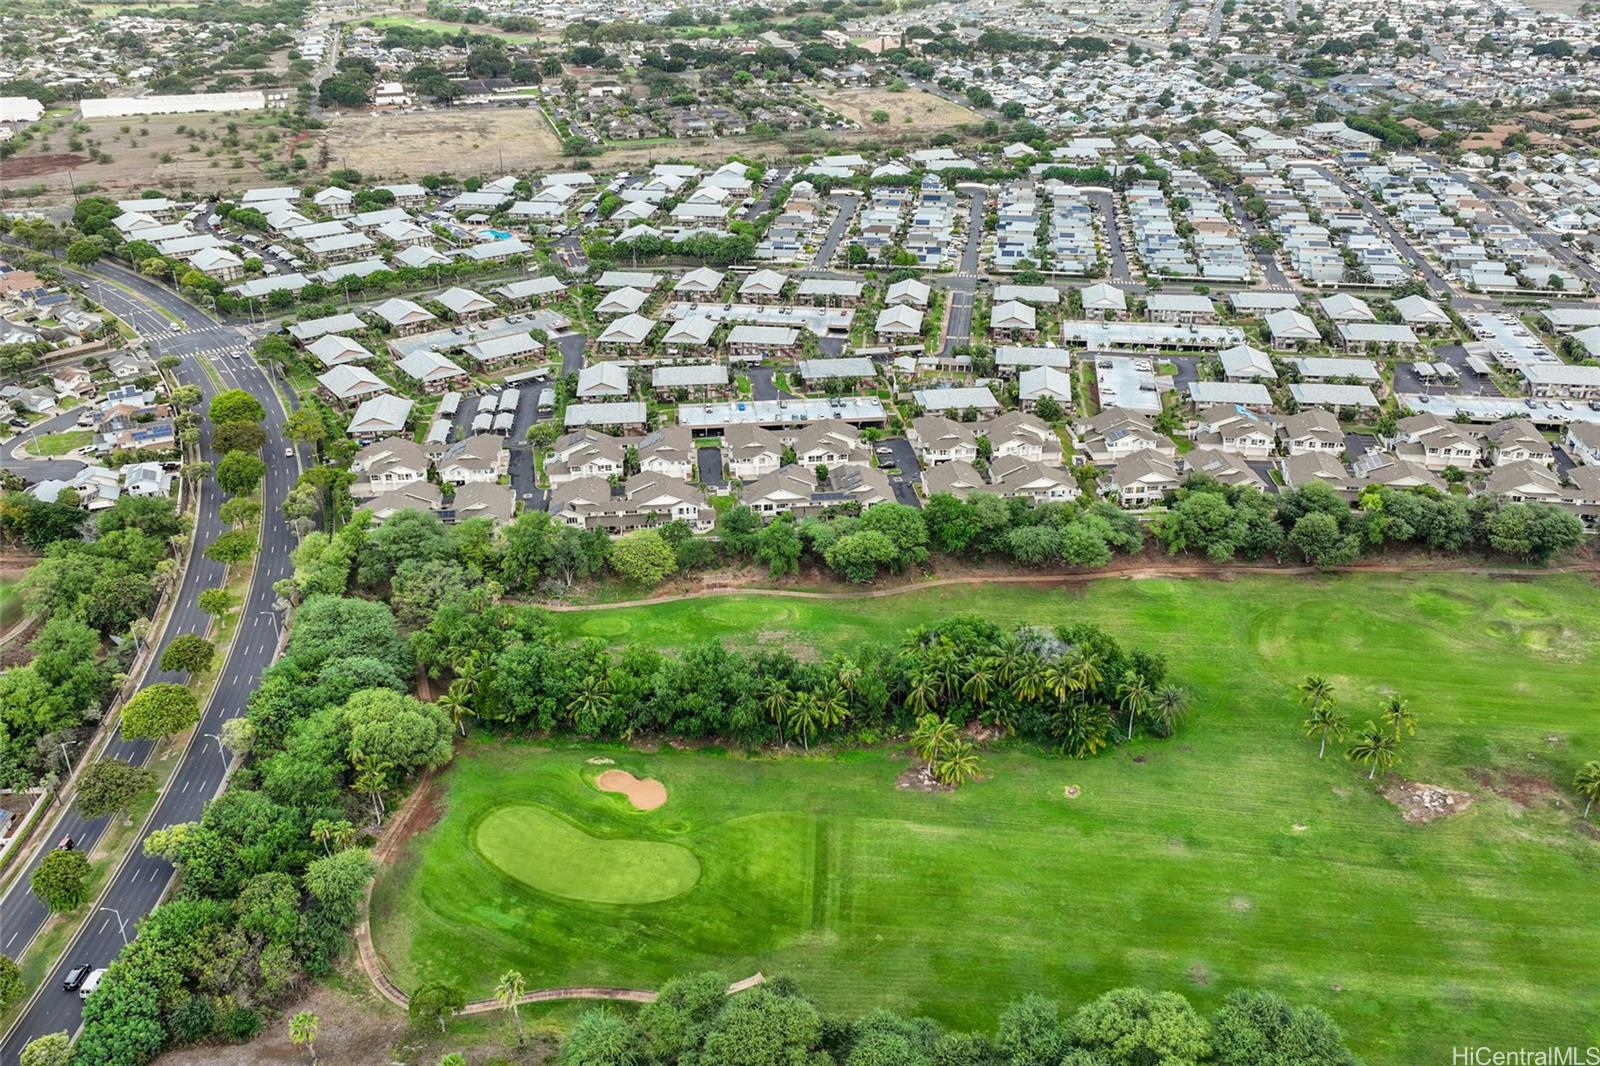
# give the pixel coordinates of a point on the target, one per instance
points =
(695, 1021)
(274, 872)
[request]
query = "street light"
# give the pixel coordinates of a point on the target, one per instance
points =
(122, 927)
(64, 757)
(222, 750)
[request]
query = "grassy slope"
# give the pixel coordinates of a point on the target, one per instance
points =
(1183, 871)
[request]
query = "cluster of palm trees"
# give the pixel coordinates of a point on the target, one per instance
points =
(1376, 744)
(951, 759)
(807, 713)
(1067, 682)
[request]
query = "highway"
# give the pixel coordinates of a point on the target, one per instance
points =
(138, 885)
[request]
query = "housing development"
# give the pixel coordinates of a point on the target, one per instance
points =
(567, 533)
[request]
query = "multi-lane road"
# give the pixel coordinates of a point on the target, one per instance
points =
(138, 885)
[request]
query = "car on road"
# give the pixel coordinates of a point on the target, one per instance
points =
(288, 453)
(76, 977)
(177, 327)
(92, 983)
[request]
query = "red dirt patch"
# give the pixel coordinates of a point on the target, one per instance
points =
(1524, 790)
(1423, 803)
(35, 166)
(422, 811)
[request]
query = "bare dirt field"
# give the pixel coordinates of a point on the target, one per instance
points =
(448, 141)
(143, 153)
(910, 109)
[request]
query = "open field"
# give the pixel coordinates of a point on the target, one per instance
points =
(460, 140)
(150, 154)
(912, 108)
(60, 443)
(1228, 856)
(422, 22)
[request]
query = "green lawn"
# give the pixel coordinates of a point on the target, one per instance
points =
(1225, 857)
(60, 443)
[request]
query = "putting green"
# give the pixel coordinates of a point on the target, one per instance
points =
(546, 852)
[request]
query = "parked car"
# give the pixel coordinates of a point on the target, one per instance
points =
(76, 977)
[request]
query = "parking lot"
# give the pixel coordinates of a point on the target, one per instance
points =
(896, 454)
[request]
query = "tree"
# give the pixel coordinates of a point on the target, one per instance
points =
(643, 558)
(1374, 747)
(1325, 724)
(11, 986)
(1587, 782)
(53, 1049)
(305, 426)
(1316, 691)
(339, 882)
(188, 652)
(1134, 696)
(858, 556)
(435, 1002)
(62, 880)
(804, 716)
(957, 764)
(1134, 1026)
(215, 602)
(234, 546)
(238, 437)
(159, 710)
(84, 251)
(110, 785)
(1398, 717)
(332, 833)
(239, 473)
(932, 737)
(1318, 539)
(236, 405)
(303, 1031)
(601, 1037)
(508, 993)
(1255, 1028)
(1169, 707)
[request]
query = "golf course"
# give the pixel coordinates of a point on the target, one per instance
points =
(1227, 856)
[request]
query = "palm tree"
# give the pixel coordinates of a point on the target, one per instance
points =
(978, 685)
(1135, 696)
(303, 1031)
(1079, 728)
(1316, 691)
(591, 702)
(1326, 724)
(1169, 707)
(1398, 717)
(777, 702)
(805, 716)
(372, 778)
(957, 764)
(1058, 679)
(1588, 785)
(1085, 669)
(1028, 685)
(923, 695)
(456, 702)
(328, 833)
(1375, 747)
(833, 707)
(932, 736)
(507, 993)
(847, 673)
(1010, 664)
(945, 670)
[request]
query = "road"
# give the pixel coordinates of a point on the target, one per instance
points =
(963, 287)
(846, 202)
(12, 457)
(1436, 281)
(1518, 217)
(1267, 261)
(1115, 252)
(138, 886)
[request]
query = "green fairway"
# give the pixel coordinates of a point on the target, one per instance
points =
(543, 851)
(1225, 857)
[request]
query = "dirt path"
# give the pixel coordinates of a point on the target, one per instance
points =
(418, 812)
(1143, 571)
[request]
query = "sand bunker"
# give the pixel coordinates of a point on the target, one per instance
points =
(645, 795)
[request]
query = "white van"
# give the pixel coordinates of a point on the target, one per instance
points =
(92, 983)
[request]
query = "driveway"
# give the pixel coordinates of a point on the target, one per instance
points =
(708, 460)
(905, 460)
(846, 202)
(761, 386)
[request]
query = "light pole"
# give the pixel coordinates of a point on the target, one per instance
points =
(122, 927)
(221, 750)
(64, 757)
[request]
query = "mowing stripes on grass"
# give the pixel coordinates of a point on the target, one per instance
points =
(548, 853)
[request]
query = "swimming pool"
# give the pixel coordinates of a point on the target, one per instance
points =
(499, 234)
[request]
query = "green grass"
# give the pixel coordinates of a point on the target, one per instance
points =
(10, 603)
(1226, 857)
(573, 863)
(60, 443)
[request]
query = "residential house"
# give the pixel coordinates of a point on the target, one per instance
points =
(830, 443)
(379, 416)
(644, 500)
(585, 453)
(1023, 436)
(1312, 431)
(480, 458)
(403, 316)
(936, 439)
(1583, 442)
(1225, 467)
(348, 383)
(796, 490)
(1234, 430)
(432, 371)
(1435, 444)
(386, 465)
(1141, 479)
(1116, 433)
(751, 452)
